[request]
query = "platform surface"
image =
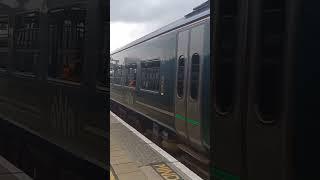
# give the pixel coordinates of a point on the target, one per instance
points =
(10, 172)
(134, 157)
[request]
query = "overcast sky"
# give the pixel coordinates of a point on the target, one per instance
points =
(132, 19)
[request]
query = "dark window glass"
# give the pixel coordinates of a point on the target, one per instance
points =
(130, 75)
(195, 74)
(270, 71)
(180, 80)
(4, 39)
(66, 43)
(150, 75)
(225, 58)
(26, 42)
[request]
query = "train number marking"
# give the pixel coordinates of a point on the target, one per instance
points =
(166, 172)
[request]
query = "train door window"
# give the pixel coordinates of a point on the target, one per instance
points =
(130, 75)
(225, 58)
(150, 75)
(66, 43)
(4, 41)
(26, 42)
(269, 78)
(195, 75)
(180, 82)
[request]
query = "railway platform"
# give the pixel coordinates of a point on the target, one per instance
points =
(10, 172)
(134, 157)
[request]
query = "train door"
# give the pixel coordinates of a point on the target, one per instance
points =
(268, 125)
(188, 84)
(229, 81)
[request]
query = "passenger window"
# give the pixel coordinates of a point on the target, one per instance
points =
(195, 74)
(180, 80)
(26, 42)
(66, 43)
(130, 75)
(115, 72)
(4, 41)
(150, 75)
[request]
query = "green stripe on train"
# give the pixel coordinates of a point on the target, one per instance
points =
(191, 121)
(222, 175)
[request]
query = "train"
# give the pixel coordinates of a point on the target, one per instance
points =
(258, 87)
(54, 89)
(164, 78)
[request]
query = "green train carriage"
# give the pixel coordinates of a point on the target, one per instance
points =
(164, 78)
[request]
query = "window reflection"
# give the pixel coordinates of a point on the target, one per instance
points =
(66, 41)
(150, 75)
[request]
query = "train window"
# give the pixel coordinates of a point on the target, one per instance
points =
(116, 74)
(130, 75)
(66, 43)
(225, 57)
(150, 75)
(4, 39)
(26, 42)
(195, 74)
(180, 81)
(4, 31)
(270, 71)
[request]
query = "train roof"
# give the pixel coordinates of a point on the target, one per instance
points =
(199, 12)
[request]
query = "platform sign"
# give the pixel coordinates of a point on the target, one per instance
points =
(166, 172)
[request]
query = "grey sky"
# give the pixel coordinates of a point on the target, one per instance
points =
(131, 19)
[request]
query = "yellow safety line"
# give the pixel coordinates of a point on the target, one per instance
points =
(112, 176)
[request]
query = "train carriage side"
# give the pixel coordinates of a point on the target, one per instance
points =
(141, 78)
(164, 79)
(47, 85)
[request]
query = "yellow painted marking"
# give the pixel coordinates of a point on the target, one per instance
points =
(166, 172)
(112, 176)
